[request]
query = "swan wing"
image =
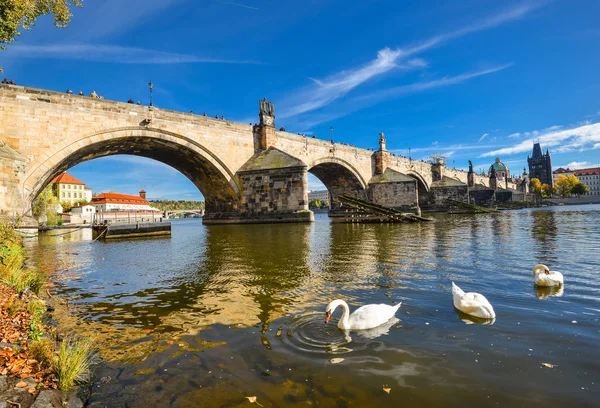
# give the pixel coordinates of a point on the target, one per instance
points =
(475, 304)
(369, 316)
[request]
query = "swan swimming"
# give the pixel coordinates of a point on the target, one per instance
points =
(546, 278)
(473, 304)
(365, 317)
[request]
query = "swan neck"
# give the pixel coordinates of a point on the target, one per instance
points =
(345, 321)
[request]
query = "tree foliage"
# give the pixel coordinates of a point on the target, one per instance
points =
(318, 203)
(170, 205)
(18, 15)
(536, 185)
(547, 191)
(45, 207)
(580, 189)
(564, 185)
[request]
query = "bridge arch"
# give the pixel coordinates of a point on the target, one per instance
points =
(339, 176)
(202, 167)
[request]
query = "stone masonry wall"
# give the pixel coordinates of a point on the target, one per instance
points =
(401, 195)
(438, 195)
(274, 190)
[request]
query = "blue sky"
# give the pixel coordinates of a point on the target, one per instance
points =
(470, 79)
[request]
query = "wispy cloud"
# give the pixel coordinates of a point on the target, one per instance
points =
(574, 139)
(335, 86)
(237, 4)
(112, 54)
(370, 99)
(322, 92)
(483, 137)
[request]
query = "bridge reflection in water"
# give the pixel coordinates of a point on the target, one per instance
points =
(222, 312)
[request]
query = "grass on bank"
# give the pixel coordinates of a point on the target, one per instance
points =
(72, 362)
(69, 360)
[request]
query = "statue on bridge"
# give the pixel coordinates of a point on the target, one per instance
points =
(267, 113)
(381, 141)
(470, 166)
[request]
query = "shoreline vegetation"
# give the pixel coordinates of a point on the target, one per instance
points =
(35, 358)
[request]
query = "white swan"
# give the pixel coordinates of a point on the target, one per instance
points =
(365, 317)
(471, 303)
(544, 277)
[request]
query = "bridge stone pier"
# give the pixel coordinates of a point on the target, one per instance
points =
(247, 173)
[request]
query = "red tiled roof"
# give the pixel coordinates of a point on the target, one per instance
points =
(580, 172)
(116, 198)
(66, 178)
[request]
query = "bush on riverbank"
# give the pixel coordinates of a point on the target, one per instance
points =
(29, 348)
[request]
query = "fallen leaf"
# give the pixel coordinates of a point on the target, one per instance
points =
(336, 360)
(31, 390)
(170, 342)
(251, 399)
(21, 384)
(549, 365)
(387, 389)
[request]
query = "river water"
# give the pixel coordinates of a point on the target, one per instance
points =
(216, 314)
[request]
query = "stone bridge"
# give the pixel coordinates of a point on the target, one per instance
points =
(247, 173)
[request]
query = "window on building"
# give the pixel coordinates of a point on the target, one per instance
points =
(63, 194)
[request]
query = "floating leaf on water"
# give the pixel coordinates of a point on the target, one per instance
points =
(549, 365)
(387, 389)
(253, 400)
(336, 360)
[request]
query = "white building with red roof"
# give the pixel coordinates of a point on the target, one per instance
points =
(110, 202)
(590, 177)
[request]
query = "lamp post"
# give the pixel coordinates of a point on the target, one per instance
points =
(150, 84)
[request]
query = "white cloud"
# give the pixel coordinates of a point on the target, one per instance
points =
(514, 136)
(237, 4)
(483, 137)
(322, 92)
(596, 146)
(111, 53)
(575, 165)
(586, 136)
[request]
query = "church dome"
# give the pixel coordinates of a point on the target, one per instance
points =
(498, 166)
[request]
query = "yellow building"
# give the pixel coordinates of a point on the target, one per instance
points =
(68, 189)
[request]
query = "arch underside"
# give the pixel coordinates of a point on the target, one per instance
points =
(339, 180)
(219, 190)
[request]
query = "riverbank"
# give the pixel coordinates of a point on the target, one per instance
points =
(39, 366)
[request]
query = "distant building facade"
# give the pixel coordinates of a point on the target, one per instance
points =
(540, 165)
(322, 195)
(109, 202)
(86, 212)
(88, 194)
(590, 177)
(69, 189)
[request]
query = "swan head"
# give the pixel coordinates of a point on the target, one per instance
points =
(539, 268)
(331, 307)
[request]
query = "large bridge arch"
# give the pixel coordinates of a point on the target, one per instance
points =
(202, 167)
(339, 176)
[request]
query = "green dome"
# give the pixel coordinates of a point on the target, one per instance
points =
(498, 166)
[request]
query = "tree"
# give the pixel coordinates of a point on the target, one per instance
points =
(17, 15)
(580, 189)
(45, 207)
(536, 185)
(564, 184)
(547, 190)
(66, 205)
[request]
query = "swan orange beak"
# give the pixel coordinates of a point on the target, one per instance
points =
(327, 316)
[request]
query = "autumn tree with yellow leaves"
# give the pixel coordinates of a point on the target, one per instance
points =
(18, 15)
(536, 185)
(567, 185)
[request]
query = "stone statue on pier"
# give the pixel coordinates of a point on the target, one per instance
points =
(381, 141)
(470, 166)
(267, 113)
